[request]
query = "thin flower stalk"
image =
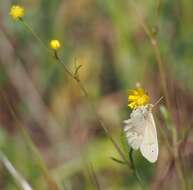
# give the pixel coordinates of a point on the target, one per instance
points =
(101, 122)
(34, 34)
(83, 89)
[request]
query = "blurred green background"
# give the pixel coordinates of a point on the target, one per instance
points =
(107, 39)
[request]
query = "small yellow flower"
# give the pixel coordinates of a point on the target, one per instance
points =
(137, 98)
(16, 12)
(54, 44)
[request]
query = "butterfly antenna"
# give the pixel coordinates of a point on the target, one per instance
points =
(158, 101)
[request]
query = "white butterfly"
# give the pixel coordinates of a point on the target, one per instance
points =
(141, 132)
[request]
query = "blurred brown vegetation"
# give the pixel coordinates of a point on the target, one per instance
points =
(107, 39)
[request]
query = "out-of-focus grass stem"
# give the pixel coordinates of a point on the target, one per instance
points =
(51, 183)
(178, 163)
(154, 43)
(92, 175)
(20, 181)
(159, 60)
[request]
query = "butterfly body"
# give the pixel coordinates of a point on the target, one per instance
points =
(141, 132)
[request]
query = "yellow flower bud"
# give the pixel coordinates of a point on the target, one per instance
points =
(54, 44)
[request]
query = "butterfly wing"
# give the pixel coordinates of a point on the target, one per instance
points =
(149, 146)
(134, 129)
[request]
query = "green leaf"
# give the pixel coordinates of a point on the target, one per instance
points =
(118, 161)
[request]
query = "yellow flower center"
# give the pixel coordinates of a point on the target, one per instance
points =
(54, 44)
(16, 12)
(137, 98)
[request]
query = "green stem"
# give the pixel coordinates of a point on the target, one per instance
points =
(133, 167)
(101, 122)
(83, 89)
(35, 35)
